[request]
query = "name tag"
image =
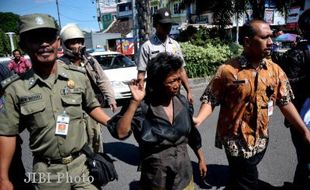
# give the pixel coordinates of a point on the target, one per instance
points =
(239, 82)
(34, 97)
(62, 124)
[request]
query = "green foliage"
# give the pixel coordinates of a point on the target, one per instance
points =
(202, 35)
(203, 61)
(8, 23)
(4, 44)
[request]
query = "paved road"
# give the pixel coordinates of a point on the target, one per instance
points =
(277, 167)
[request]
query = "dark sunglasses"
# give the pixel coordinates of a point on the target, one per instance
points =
(40, 35)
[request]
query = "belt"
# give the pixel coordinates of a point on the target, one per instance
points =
(63, 160)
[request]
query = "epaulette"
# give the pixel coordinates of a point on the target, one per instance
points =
(9, 80)
(77, 68)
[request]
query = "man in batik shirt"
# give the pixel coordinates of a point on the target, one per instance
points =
(247, 88)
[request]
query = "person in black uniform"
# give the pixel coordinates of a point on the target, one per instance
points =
(296, 64)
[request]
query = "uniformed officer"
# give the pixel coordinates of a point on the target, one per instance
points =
(49, 101)
(74, 54)
(161, 42)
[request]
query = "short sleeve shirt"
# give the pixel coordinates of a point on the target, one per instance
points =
(245, 95)
(34, 103)
(154, 46)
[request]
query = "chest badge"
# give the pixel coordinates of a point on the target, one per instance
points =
(71, 84)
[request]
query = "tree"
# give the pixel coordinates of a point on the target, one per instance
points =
(8, 23)
(224, 10)
(144, 19)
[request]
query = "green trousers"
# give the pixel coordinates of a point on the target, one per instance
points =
(74, 175)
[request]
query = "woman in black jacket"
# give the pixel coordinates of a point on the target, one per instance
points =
(162, 125)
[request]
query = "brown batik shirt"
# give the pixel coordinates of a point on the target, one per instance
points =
(246, 97)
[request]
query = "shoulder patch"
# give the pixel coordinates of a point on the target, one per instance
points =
(9, 80)
(77, 68)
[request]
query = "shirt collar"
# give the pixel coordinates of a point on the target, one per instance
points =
(159, 111)
(158, 41)
(244, 63)
(61, 73)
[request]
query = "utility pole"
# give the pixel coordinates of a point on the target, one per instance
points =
(58, 14)
(11, 40)
(135, 28)
(99, 19)
(237, 28)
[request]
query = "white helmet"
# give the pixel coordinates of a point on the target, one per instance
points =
(70, 31)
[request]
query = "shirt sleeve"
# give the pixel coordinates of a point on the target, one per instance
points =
(9, 114)
(143, 57)
(215, 89)
(136, 123)
(104, 83)
(194, 138)
(28, 63)
(89, 99)
(284, 91)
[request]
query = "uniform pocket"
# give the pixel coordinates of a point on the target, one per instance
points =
(73, 105)
(34, 113)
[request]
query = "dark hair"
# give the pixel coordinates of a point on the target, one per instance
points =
(157, 71)
(247, 30)
(16, 50)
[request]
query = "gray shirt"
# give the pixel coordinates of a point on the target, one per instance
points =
(154, 46)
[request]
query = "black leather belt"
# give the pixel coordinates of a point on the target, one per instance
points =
(64, 160)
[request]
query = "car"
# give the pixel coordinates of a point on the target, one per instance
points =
(5, 60)
(119, 69)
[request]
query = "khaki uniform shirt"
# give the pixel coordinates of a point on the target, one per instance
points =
(154, 46)
(100, 79)
(246, 95)
(35, 103)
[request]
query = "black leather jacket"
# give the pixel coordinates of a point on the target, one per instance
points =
(154, 132)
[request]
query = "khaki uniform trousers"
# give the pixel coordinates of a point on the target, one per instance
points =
(72, 176)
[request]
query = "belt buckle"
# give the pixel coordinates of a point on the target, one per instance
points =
(67, 159)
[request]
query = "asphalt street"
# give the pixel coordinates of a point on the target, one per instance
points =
(276, 170)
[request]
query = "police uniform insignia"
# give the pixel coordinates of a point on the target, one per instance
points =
(9, 80)
(39, 20)
(70, 83)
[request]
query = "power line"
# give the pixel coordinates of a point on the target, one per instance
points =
(58, 14)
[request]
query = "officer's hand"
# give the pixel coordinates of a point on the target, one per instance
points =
(113, 107)
(202, 168)
(5, 185)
